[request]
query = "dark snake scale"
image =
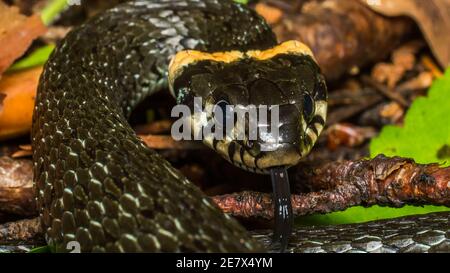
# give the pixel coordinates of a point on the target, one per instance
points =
(99, 185)
(412, 234)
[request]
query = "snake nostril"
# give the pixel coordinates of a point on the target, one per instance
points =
(251, 144)
(253, 147)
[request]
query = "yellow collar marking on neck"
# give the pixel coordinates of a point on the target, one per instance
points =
(186, 57)
(289, 47)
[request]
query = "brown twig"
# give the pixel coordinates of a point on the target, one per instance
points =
(338, 185)
(430, 65)
(385, 91)
(385, 113)
(344, 113)
(326, 187)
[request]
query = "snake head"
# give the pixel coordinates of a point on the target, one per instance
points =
(263, 109)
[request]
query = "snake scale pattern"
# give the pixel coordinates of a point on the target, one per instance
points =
(429, 233)
(99, 185)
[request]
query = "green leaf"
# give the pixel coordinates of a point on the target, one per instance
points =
(360, 214)
(425, 137)
(245, 2)
(41, 249)
(53, 10)
(36, 58)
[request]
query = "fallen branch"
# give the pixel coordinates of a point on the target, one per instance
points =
(385, 91)
(326, 187)
(338, 185)
(16, 187)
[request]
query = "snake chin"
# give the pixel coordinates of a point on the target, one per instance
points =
(261, 162)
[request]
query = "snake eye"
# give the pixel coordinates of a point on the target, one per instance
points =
(308, 106)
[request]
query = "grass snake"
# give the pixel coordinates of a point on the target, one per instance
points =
(99, 185)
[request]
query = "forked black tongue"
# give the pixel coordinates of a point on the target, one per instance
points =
(283, 209)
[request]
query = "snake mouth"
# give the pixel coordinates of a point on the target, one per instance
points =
(286, 155)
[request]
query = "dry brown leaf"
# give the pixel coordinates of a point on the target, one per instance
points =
(22, 154)
(421, 81)
(17, 32)
(25, 151)
(346, 134)
(393, 112)
(387, 73)
(345, 36)
(2, 98)
(403, 60)
(432, 16)
(271, 14)
(163, 142)
(26, 147)
(20, 90)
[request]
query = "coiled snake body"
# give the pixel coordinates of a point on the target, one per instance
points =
(99, 185)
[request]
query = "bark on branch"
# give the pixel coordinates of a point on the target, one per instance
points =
(325, 187)
(20, 231)
(16, 187)
(336, 186)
